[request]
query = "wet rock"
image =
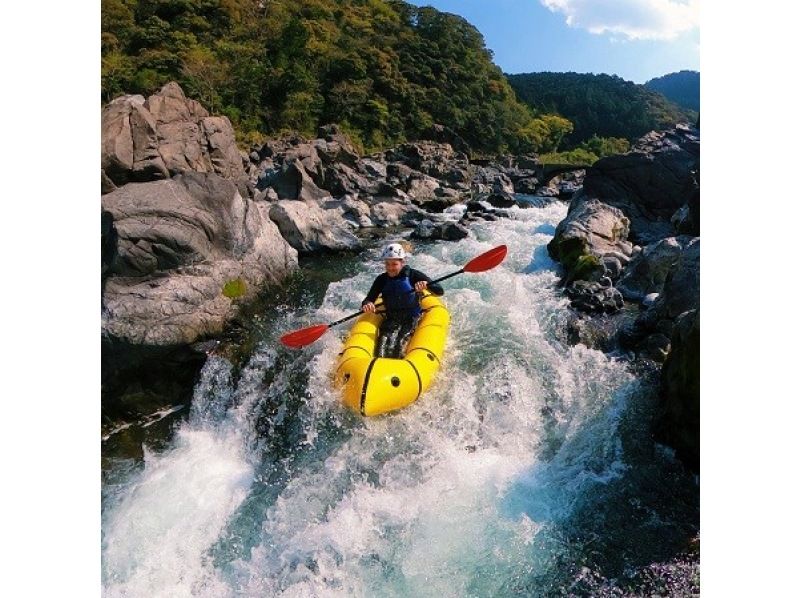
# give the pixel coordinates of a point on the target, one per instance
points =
(591, 232)
(594, 297)
(546, 192)
(649, 299)
(526, 185)
(599, 331)
(566, 189)
(310, 229)
(655, 347)
(447, 231)
(499, 200)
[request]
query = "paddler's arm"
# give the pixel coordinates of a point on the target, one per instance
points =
(374, 291)
(415, 276)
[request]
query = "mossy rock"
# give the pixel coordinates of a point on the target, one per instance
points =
(585, 267)
(235, 288)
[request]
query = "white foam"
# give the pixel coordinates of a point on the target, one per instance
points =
(445, 498)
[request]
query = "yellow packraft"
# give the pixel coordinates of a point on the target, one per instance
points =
(374, 385)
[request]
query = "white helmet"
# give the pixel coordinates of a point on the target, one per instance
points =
(393, 251)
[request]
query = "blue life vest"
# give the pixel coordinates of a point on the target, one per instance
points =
(398, 294)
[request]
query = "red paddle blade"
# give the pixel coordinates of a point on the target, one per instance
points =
(488, 260)
(304, 336)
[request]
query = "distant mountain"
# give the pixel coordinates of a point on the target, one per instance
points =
(602, 105)
(683, 88)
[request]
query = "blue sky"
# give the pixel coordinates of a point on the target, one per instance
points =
(635, 39)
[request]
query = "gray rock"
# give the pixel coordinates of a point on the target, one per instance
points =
(106, 184)
(293, 182)
(650, 182)
(372, 168)
(310, 229)
(594, 297)
(165, 135)
(682, 287)
(526, 185)
(546, 192)
(385, 212)
(447, 231)
(221, 146)
(356, 211)
(591, 232)
(170, 249)
(421, 188)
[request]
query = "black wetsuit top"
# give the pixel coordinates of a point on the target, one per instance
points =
(414, 276)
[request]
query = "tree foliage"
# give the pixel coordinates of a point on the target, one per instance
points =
(682, 87)
(383, 69)
(597, 105)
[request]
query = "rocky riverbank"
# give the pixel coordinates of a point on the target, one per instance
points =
(632, 237)
(195, 229)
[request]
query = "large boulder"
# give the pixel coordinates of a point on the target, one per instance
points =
(488, 179)
(650, 182)
(390, 212)
(421, 188)
(592, 240)
(129, 143)
(164, 135)
(294, 182)
(180, 255)
(309, 228)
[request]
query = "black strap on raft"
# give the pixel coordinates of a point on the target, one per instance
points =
(366, 385)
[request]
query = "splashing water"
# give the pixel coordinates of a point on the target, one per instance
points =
(491, 484)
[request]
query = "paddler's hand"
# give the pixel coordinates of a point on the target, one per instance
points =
(368, 308)
(421, 286)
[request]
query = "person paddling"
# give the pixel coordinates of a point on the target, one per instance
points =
(396, 286)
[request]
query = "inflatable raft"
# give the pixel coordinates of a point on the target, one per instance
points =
(375, 385)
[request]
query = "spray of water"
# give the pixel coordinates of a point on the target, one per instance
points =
(272, 488)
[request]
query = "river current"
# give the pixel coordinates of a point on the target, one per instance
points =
(526, 470)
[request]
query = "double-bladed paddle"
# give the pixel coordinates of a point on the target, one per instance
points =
(482, 263)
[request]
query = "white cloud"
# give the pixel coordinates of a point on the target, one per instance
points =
(631, 19)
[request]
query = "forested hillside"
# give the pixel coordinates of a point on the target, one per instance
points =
(683, 88)
(384, 69)
(601, 105)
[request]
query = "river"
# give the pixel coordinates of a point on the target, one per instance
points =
(526, 469)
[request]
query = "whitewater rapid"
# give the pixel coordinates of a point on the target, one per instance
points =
(271, 488)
